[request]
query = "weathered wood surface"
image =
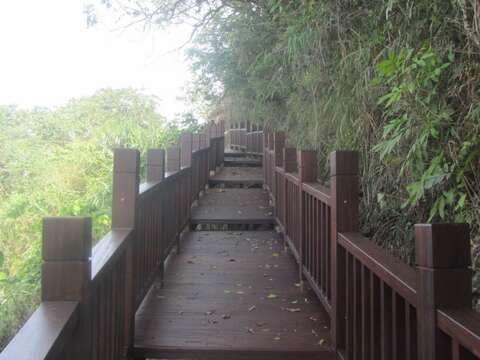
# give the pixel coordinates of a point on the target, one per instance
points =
(238, 176)
(242, 161)
(233, 206)
(232, 295)
(44, 336)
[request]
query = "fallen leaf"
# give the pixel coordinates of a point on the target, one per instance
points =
(251, 308)
(240, 292)
(275, 255)
(250, 330)
(272, 296)
(227, 291)
(226, 316)
(293, 310)
(276, 338)
(321, 341)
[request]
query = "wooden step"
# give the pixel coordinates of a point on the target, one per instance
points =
(233, 206)
(242, 161)
(238, 177)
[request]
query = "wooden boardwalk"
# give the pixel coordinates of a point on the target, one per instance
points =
(235, 293)
(232, 294)
(233, 206)
(238, 176)
(236, 161)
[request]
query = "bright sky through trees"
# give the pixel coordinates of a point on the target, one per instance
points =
(48, 55)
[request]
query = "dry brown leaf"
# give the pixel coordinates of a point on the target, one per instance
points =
(293, 310)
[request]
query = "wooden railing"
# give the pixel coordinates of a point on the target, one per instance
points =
(89, 297)
(248, 139)
(380, 307)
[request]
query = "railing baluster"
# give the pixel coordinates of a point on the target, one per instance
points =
(386, 321)
(366, 301)
(375, 317)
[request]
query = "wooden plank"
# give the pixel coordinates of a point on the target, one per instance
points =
(247, 176)
(233, 274)
(45, 334)
(242, 161)
(462, 324)
(233, 206)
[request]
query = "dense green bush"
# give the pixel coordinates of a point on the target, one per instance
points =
(59, 162)
(396, 80)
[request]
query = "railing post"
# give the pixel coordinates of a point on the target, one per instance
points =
(126, 182)
(265, 163)
(278, 146)
(155, 165)
(442, 253)
(307, 172)
(290, 159)
(344, 217)
(66, 273)
(202, 141)
(270, 141)
(289, 166)
(213, 144)
(206, 133)
(173, 159)
(186, 149)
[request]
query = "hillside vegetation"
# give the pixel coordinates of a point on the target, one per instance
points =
(60, 163)
(397, 80)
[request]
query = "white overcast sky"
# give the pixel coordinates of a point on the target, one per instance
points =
(48, 55)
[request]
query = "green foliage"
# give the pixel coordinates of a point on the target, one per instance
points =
(396, 80)
(60, 163)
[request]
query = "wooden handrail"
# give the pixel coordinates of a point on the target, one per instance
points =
(394, 272)
(463, 326)
(108, 249)
(46, 333)
(88, 303)
(379, 306)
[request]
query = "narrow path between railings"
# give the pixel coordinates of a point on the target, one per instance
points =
(232, 294)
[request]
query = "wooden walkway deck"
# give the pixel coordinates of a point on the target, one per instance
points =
(242, 161)
(238, 177)
(232, 294)
(233, 206)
